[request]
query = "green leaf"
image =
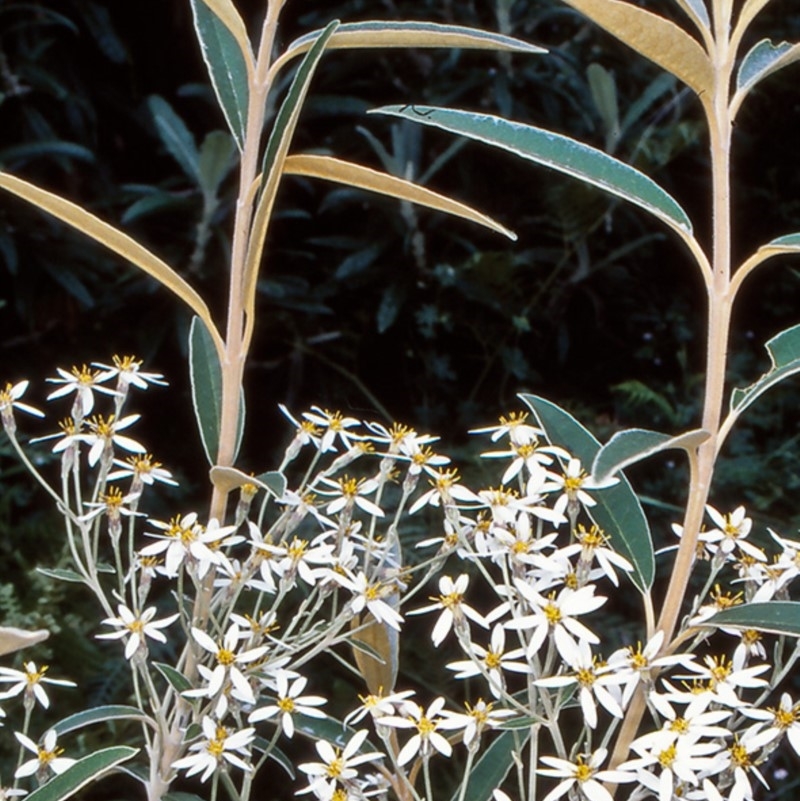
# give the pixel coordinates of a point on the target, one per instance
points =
(175, 136)
(618, 511)
(489, 772)
(763, 59)
(176, 679)
(61, 574)
(555, 151)
(274, 482)
(391, 302)
(216, 160)
(100, 714)
(333, 731)
(263, 745)
(83, 772)
(776, 617)
(604, 95)
(206, 379)
(227, 67)
(627, 447)
(784, 353)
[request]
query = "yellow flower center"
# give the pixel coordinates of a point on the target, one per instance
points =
(493, 660)
(127, 364)
(450, 601)
(112, 499)
(33, 676)
(425, 727)
(349, 486)
(552, 612)
(46, 757)
(583, 772)
(102, 426)
(513, 420)
(667, 756)
(739, 756)
(679, 726)
(286, 705)
(225, 657)
(85, 375)
(335, 767)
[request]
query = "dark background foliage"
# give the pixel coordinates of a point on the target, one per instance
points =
(381, 310)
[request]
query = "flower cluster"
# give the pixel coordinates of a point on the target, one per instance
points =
(517, 579)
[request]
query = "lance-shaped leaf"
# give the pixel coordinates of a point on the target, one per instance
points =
(556, 151)
(784, 353)
(100, 714)
(229, 59)
(489, 772)
(655, 38)
(628, 447)
(175, 136)
(205, 373)
(776, 617)
(356, 175)
(618, 511)
(379, 34)
(84, 772)
(762, 60)
(227, 479)
(115, 240)
(274, 156)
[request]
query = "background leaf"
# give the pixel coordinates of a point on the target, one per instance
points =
(618, 511)
(176, 136)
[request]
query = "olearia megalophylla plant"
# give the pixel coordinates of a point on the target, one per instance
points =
(246, 601)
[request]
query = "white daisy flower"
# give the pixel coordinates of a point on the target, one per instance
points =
(218, 747)
(30, 682)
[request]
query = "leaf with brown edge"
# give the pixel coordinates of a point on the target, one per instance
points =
(116, 240)
(356, 175)
(655, 38)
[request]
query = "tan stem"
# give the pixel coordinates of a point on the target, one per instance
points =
(719, 312)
